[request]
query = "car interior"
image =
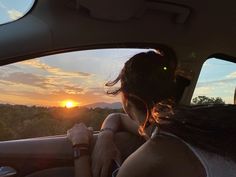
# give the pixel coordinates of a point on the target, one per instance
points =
(195, 31)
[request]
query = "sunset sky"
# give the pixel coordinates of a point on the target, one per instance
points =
(80, 77)
(77, 76)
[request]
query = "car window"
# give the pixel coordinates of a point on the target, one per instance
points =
(47, 95)
(216, 83)
(11, 10)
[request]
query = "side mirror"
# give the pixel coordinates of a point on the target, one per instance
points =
(7, 171)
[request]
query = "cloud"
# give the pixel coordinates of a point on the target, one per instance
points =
(17, 88)
(24, 78)
(231, 75)
(228, 80)
(203, 90)
(84, 98)
(73, 90)
(223, 88)
(6, 83)
(35, 63)
(48, 84)
(53, 98)
(14, 14)
(2, 6)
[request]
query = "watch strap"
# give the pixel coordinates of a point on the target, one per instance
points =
(107, 129)
(80, 151)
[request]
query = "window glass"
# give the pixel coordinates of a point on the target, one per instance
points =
(11, 10)
(216, 83)
(46, 96)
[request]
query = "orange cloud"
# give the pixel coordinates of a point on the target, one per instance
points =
(35, 63)
(24, 78)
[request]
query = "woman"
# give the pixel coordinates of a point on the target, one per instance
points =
(148, 91)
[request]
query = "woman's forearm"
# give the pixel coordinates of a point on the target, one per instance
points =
(80, 137)
(105, 151)
(83, 167)
(120, 122)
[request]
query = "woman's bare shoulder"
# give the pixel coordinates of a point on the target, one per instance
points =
(165, 156)
(141, 162)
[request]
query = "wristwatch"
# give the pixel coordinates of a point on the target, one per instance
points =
(80, 150)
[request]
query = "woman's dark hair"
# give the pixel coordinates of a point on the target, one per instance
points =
(209, 127)
(149, 76)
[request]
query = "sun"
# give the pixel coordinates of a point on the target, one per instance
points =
(69, 104)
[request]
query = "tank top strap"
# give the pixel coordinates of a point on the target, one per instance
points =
(214, 164)
(193, 149)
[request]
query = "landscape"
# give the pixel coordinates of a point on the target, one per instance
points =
(20, 121)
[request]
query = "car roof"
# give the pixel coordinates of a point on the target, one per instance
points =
(55, 25)
(195, 30)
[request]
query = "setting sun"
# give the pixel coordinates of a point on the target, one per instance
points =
(69, 104)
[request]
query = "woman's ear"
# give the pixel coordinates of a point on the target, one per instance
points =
(138, 115)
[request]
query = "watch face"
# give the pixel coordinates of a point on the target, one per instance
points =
(78, 152)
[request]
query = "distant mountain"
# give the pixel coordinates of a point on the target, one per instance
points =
(115, 105)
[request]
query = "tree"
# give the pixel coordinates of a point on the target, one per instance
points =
(204, 100)
(5, 132)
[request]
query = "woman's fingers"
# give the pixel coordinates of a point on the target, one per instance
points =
(90, 128)
(80, 134)
(68, 132)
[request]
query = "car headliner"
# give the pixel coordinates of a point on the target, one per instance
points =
(54, 26)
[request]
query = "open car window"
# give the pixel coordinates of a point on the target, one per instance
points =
(216, 83)
(11, 10)
(46, 96)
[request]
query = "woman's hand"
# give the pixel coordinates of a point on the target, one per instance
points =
(104, 152)
(80, 134)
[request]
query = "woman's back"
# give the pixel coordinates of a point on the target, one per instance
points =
(167, 155)
(164, 156)
(216, 165)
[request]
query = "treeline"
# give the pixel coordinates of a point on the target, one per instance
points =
(19, 121)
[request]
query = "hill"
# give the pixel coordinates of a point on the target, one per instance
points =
(103, 105)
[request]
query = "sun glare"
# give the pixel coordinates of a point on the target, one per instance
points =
(69, 104)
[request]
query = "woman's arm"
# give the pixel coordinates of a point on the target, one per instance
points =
(119, 121)
(83, 167)
(81, 137)
(105, 150)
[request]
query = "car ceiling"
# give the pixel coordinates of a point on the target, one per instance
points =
(54, 26)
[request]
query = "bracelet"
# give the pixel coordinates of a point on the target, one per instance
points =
(107, 129)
